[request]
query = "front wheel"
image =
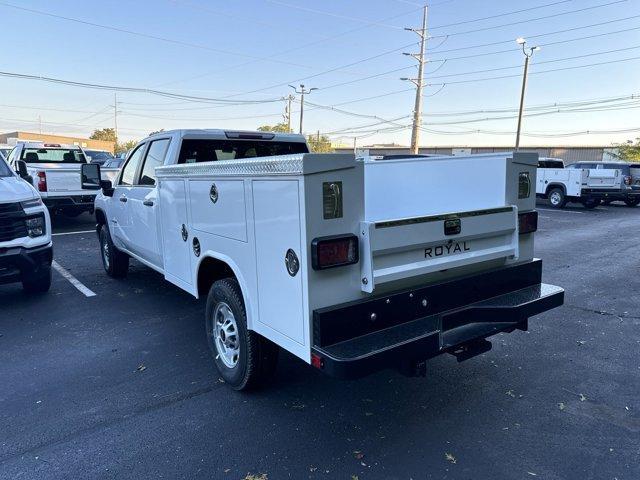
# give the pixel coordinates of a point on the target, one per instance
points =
(244, 359)
(115, 262)
(591, 203)
(39, 283)
(632, 202)
(557, 198)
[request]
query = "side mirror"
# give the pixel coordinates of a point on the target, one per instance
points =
(107, 188)
(21, 168)
(90, 176)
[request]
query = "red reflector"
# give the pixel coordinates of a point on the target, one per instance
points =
(527, 222)
(42, 181)
(316, 361)
(334, 251)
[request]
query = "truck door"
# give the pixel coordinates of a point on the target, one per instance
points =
(119, 217)
(142, 237)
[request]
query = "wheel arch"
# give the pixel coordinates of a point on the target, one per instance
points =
(551, 186)
(101, 219)
(212, 267)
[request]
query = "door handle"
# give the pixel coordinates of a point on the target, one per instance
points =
(148, 203)
(123, 198)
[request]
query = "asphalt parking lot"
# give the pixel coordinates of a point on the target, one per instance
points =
(121, 384)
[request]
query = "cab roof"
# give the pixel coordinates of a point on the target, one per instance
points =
(220, 134)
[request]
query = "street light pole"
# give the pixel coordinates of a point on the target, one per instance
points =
(302, 92)
(528, 53)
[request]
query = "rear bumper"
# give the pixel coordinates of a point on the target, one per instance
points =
(398, 330)
(71, 202)
(612, 194)
(18, 263)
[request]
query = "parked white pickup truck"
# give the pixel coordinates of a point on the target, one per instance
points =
(25, 233)
(55, 170)
(353, 265)
(588, 186)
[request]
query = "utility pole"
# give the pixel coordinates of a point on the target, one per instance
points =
(115, 118)
(288, 116)
(302, 93)
(528, 53)
(418, 82)
(40, 124)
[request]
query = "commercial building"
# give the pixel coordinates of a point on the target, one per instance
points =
(12, 138)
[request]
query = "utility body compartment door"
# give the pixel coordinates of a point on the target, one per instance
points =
(176, 238)
(277, 229)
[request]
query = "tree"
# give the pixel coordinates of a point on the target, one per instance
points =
(280, 127)
(319, 144)
(106, 134)
(629, 152)
(126, 146)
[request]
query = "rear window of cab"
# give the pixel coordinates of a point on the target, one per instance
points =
(52, 155)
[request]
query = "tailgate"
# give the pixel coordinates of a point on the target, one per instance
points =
(61, 179)
(601, 178)
(397, 249)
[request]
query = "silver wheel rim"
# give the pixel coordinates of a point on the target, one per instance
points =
(225, 335)
(555, 198)
(105, 252)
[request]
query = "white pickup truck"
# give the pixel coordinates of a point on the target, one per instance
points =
(351, 264)
(25, 233)
(55, 170)
(588, 186)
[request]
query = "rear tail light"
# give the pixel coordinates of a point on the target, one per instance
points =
(42, 181)
(627, 180)
(334, 251)
(527, 222)
(316, 361)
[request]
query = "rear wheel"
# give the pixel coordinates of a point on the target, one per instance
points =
(632, 202)
(38, 283)
(557, 198)
(115, 262)
(591, 203)
(244, 359)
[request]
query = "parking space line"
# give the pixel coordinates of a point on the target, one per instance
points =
(559, 211)
(72, 233)
(73, 280)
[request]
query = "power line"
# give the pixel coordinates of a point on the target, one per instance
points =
(505, 14)
(148, 36)
(335, 15)
(557, 32)
(98, 86)
(546, 17)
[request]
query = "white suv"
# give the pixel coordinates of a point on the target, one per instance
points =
(26, 249)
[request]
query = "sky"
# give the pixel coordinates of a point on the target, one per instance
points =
(238, 58)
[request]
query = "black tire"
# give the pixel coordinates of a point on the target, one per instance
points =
(591, 203)
(115, 262)
(256, 357)
(632, 202)
(557, 198)
(38, 283)
(72, 213)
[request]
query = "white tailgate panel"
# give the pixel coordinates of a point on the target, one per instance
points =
(400, 249)
(598, 177)
(173, 214)
(226, 217)
(421, 187)
(277, 227)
